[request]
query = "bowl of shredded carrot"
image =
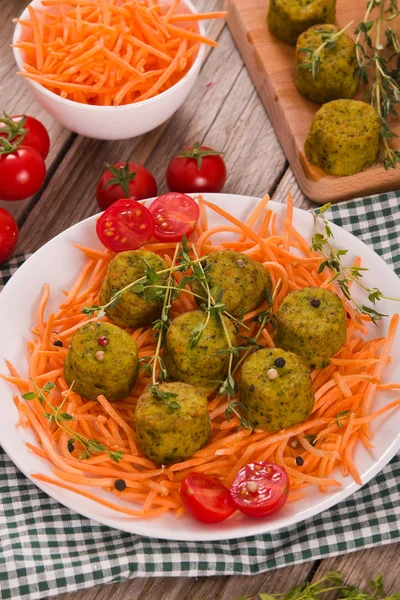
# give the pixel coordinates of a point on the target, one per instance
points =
(111, 70)
(350, 436)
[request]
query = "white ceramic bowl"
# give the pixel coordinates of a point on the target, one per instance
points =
(113, 122)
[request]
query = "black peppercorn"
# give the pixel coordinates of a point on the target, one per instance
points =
(120, 485)
(280, 362)
(71, 447)
(315, 303)
(58, 343)
(299, 461)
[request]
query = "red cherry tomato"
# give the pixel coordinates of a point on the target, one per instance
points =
(8, 235)
(196, 169)
(260, 489)
(36, 136)
(126, 225)
(22, 173)
(206, 499)
(125, 180)
(175, 215)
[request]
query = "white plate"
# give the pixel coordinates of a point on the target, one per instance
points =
(58, 262)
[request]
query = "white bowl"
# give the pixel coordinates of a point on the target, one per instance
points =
(113, 122)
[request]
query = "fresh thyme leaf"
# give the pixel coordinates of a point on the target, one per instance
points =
(165, 397)
(312, 438)
(49, 386)
(328, 42)
(339, 416)
(29, 396)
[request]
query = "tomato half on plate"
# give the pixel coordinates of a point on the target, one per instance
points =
(206, 499)
(175, 215)
(126, 225)
(260, 489)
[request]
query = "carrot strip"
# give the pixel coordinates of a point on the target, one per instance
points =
(127, 511)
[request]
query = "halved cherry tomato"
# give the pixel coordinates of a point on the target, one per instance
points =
(175, 215)
(206, 499)
(126, 225)
(8, 235)
(28, 130)
(260, 489)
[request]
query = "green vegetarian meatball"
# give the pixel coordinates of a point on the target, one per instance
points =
(198, 363)
(344, 137)
(125, 268)
(275, 388)
(336, 77)
(102, 359)
(289, 18)
(312, 323)
(166, 434)
(242, 279)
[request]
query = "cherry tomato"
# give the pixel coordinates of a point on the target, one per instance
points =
(126, 225)
(196, 169)
(22, 173)
(175, 215)
(125, 180)
(206, 499)
(8, 235)
(36, 134)
(260, 489)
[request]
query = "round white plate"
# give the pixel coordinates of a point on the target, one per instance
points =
(58, 262)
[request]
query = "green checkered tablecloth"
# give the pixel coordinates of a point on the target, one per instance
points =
(45, 549)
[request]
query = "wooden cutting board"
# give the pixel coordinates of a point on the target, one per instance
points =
(271, 64)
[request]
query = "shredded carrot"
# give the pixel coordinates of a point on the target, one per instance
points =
(112, 54)
(344, 391)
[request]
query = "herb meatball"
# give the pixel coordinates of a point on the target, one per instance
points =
(289, 18)
(101, 359)
(312, 323)
(344, 137)
(242, 279)
(172, 430)
(275, 389)
(204, 363)
(131, 310)
(336, 75)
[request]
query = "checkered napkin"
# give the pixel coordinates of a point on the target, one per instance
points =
(45, 549)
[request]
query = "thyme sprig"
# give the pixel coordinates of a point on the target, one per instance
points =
(378, 59)
(161, 327)
(329, 40)
(147, 286)
(343, 275)
(57, 415)
(331, 582)
(228, 386)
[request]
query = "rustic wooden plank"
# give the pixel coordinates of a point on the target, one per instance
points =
(271, 64)
(15, 98)
(288, 183)
(358, 567)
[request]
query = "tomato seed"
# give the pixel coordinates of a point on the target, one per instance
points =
(252, 487)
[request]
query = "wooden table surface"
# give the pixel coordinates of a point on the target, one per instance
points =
(223, 111)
